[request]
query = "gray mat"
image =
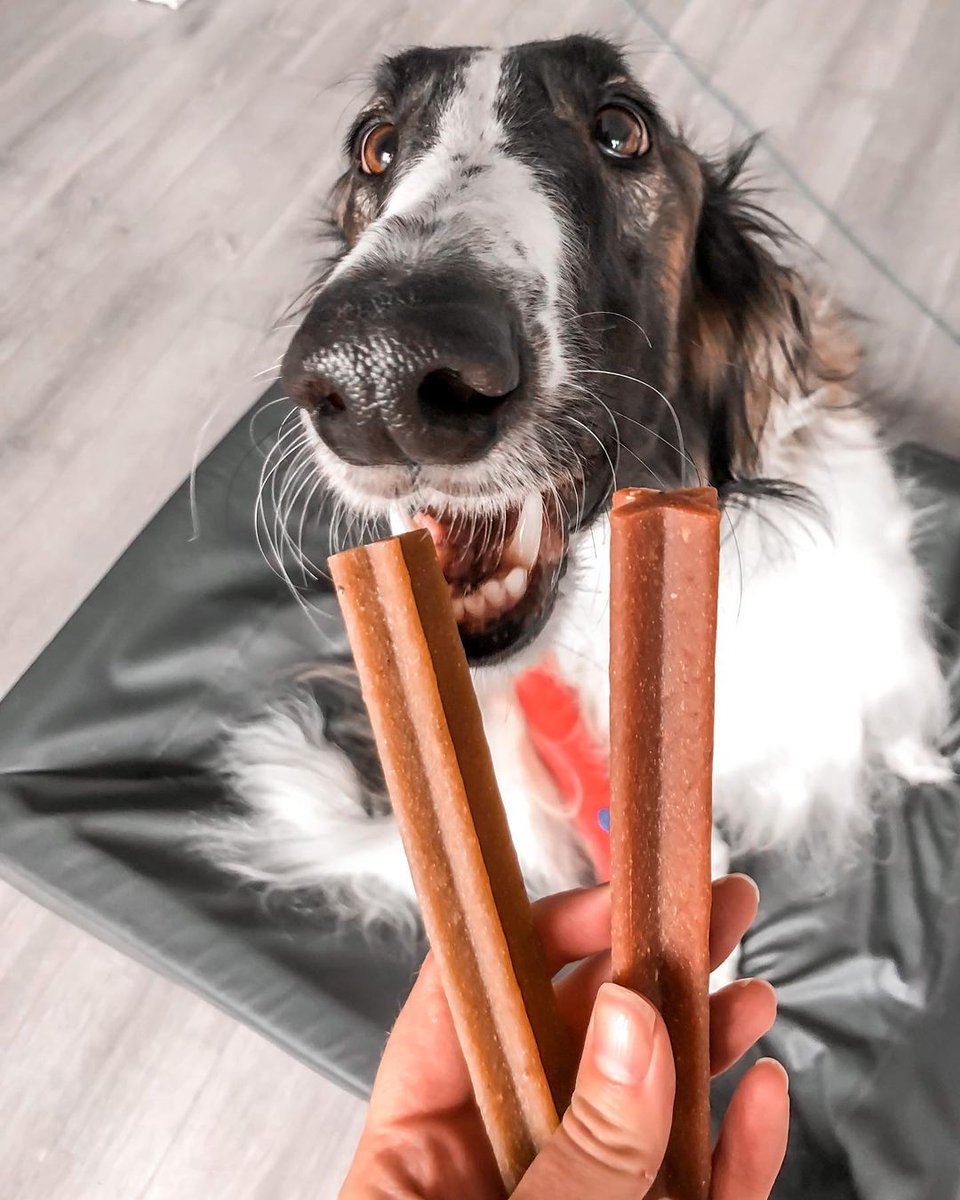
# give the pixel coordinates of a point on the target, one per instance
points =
(105, 748)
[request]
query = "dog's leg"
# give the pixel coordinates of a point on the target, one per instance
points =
(315, 819)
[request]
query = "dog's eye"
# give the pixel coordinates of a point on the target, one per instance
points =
(620, 132)
(378, 148)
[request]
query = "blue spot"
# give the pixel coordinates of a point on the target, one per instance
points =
(603, 816)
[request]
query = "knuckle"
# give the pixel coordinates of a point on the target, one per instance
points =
(598, 1136)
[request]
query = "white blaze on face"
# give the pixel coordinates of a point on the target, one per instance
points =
(474, 196)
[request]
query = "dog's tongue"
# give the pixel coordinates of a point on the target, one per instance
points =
(468, 552)
(436, 529)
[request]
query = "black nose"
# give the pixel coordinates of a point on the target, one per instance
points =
(418, 369)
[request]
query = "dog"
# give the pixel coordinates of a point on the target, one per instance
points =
(540, 292)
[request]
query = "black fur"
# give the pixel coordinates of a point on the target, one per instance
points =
(681, 323)
(335, 687)
(731, 261)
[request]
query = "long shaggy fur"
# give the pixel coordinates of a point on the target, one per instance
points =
(307, 828)
(829, 695)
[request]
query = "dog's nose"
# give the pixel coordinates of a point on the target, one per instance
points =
(409, 370)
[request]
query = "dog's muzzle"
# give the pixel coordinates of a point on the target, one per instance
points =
(426, 370)
(407, 369)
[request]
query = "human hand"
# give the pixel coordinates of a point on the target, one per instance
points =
(424, 1137)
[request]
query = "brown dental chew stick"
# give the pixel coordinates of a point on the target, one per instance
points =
(429, 733)
(664, 565)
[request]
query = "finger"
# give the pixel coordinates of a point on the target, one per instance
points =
(734, 903)
(739, 1016)
(736, 899)
(613, 1136)
(577, 992)
(573, 925)
(754, 1136)
(422, 1067)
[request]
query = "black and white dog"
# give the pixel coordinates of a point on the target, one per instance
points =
(542, 291)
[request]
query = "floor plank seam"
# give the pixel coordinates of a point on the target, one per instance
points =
(841, 226)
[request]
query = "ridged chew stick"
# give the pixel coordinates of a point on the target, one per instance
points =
(437, 766)
(664, 562)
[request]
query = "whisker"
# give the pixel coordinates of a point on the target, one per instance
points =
(268, 476)
(293, 465)
(606, 312)
(670, 407)
(587, 429)
(252, 423)
(195, 463)
(577, 485)
(262, 529)
(302, 476)
(661, 438)
(307, 564)
(267, 370)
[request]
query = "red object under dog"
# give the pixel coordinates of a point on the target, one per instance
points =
(573, 757)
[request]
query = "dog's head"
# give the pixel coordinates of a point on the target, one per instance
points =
(541, 292)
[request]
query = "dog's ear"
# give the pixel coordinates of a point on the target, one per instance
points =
(745, 326)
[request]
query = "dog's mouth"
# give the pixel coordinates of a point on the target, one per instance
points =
(503, 569)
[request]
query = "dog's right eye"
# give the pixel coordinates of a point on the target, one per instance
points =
(378, 148)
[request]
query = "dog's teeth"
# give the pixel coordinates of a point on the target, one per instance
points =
(493, 598)
(525, 543)
(495, 593)
(475, 604)
(515, 583)
(400, 520)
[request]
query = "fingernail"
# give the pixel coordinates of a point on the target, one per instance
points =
(621, 1035)
(748, 879)
(781, 1069)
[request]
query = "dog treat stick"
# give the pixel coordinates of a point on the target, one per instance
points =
(664, 564)
(438, 771)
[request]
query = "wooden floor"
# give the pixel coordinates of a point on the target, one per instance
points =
(159, 174)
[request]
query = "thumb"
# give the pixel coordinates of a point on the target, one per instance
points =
(614, 1134)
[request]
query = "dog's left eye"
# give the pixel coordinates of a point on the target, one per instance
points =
(378, 148)
(620, 132)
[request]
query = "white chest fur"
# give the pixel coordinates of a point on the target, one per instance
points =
(826, 682)
(828, 692)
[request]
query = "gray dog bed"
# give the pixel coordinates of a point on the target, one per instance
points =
(105, 752)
